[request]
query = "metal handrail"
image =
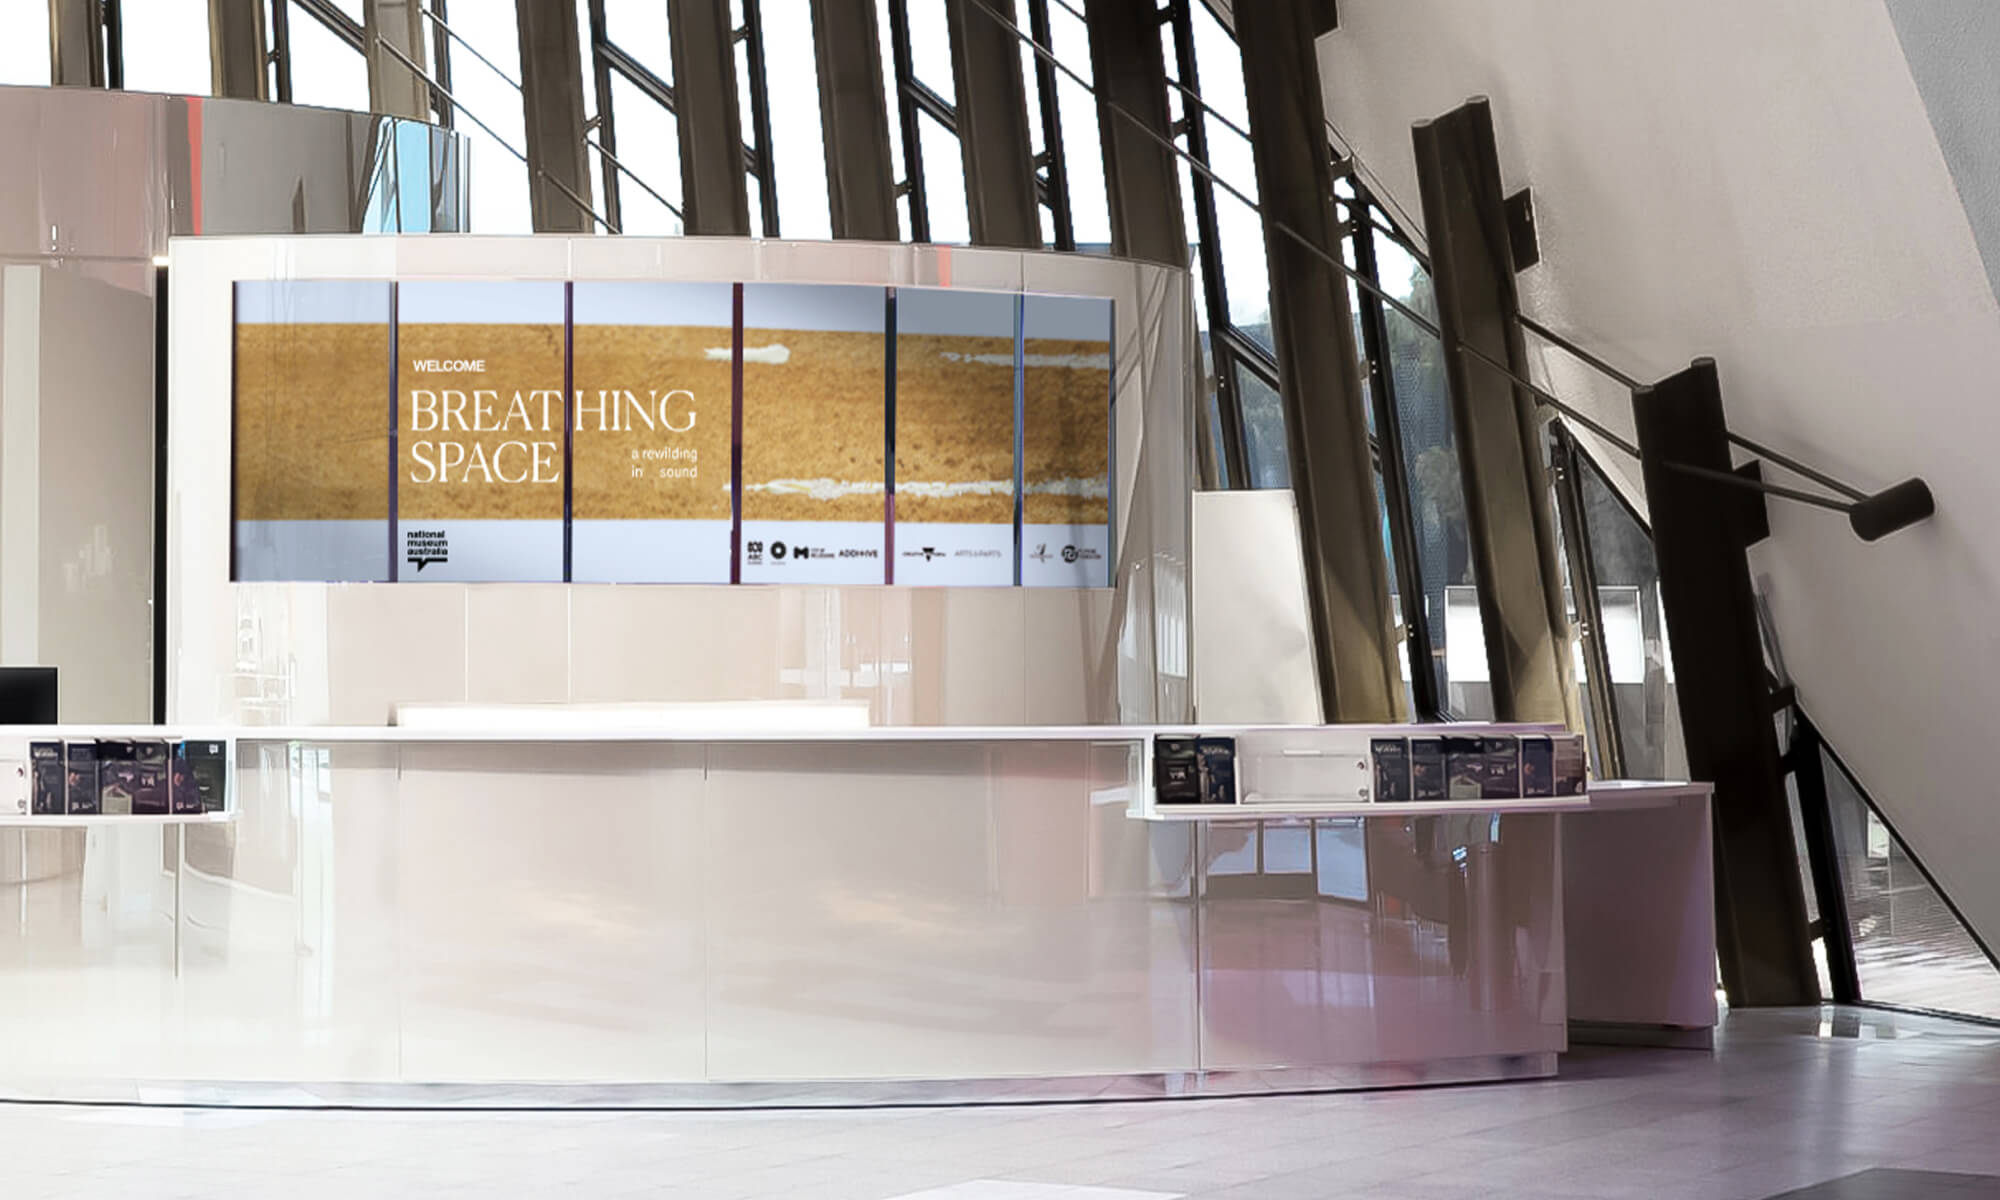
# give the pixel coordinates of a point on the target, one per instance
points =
(455, 36)
(628, 173)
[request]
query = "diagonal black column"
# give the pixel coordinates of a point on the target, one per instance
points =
(1508, 510)
(993, 138)
(552, 109)
(854, 120)
(237, 49)
(1141, 176)
(1326, 422)
(393, 89)
(715, 191)
(1699, 537)
(76, 44)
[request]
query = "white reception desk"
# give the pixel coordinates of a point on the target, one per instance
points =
(617, 916)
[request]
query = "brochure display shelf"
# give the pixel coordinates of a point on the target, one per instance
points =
(1305, 809)
(88, 776)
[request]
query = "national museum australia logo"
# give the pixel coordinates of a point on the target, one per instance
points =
(423, 547)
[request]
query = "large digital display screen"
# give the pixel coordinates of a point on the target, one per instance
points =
(668, 432)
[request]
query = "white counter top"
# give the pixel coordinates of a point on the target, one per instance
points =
(324, 734)
(80, 821)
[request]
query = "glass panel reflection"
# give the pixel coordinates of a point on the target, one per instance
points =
(1909, 947)
(1642, 675)
(1437, 494)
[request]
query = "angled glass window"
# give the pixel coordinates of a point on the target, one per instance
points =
(492, 94)
(1437, 493)
(166, 47)
(1909, 946)
(930, 44)
(24, 52)
(326, 71)
(639, 28)
(1263, 430)
(797, 149)
(944, 190)
(1089, 204)
(649, 146)
(1628, 584)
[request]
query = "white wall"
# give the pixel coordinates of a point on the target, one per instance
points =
(1761, 183)
(76, 489)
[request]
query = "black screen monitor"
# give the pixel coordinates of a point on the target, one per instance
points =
(27, 695)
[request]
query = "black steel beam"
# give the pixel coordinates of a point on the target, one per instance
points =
(113, 12)
(76, 44)
(1508, 519)
(993, 137)
(908, 121)
(1228, 398)
(237, 62)
(1823, 859)
(1761, 929)
(281, 52)
(552, 108)
(1326, 420)
(607, 121)
(1141, 176)
(854, 120)
(1054, 183)
(441, 108)
(757, 156)
(715, 194)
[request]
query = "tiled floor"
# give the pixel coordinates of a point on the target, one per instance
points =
(1788, 1101)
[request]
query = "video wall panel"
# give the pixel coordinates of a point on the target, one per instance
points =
(311, 422)
(815, 430)
(657, 432)
(480, 420)
(956, 375)
(654, 380)
(1065, 427)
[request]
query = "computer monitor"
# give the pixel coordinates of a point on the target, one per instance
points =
(27, 695)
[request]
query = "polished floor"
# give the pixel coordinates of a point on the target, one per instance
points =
(1813, 1104)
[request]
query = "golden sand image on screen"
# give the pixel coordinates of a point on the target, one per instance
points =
(813, 425)
(652, 423)
(312, 422)
(1066, 432)
(494, 456)
(955, 429)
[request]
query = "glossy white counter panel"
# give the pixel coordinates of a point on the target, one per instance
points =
(403, 920)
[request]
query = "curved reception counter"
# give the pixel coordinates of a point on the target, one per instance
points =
(421, 916)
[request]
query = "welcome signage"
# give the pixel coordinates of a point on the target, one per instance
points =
(629, 432)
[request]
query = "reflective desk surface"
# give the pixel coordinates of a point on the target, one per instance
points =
(904, 915)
